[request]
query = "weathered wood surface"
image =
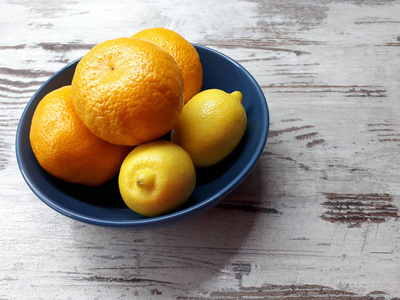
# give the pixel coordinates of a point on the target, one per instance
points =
(317, 218)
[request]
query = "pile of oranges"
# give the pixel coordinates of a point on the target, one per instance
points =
(125, 94)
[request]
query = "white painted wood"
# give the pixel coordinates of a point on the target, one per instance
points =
(317, 217)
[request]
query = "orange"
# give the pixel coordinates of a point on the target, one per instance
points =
(128, 91)
(64, 146)
(156, 178)
(211, 126)
(183, 52)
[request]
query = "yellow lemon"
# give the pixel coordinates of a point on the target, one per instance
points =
(210, 126)
(156, 178)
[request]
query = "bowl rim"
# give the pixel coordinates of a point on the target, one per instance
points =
(180, 214)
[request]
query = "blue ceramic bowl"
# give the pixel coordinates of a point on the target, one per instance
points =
(103, 205)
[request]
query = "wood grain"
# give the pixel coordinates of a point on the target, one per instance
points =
(317, 218)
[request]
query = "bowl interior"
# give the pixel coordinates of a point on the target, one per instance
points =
(103, 205)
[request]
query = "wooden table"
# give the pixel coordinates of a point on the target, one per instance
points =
(318, 217)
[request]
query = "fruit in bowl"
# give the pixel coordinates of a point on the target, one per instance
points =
(210, 126)
(156, 178)
(128, 91)
(103, 205)
(66, 148)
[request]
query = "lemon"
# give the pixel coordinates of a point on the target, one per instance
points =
(156, 178)
(210, 126)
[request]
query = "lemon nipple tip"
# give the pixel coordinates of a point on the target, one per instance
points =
(237, 95)
(145, 180)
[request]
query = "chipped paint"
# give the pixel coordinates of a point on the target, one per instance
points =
(355, 209)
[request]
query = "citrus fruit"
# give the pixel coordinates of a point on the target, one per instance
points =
(66, 148)
(184, 54)
(156, 178)
(210, 126)
(128, 91)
